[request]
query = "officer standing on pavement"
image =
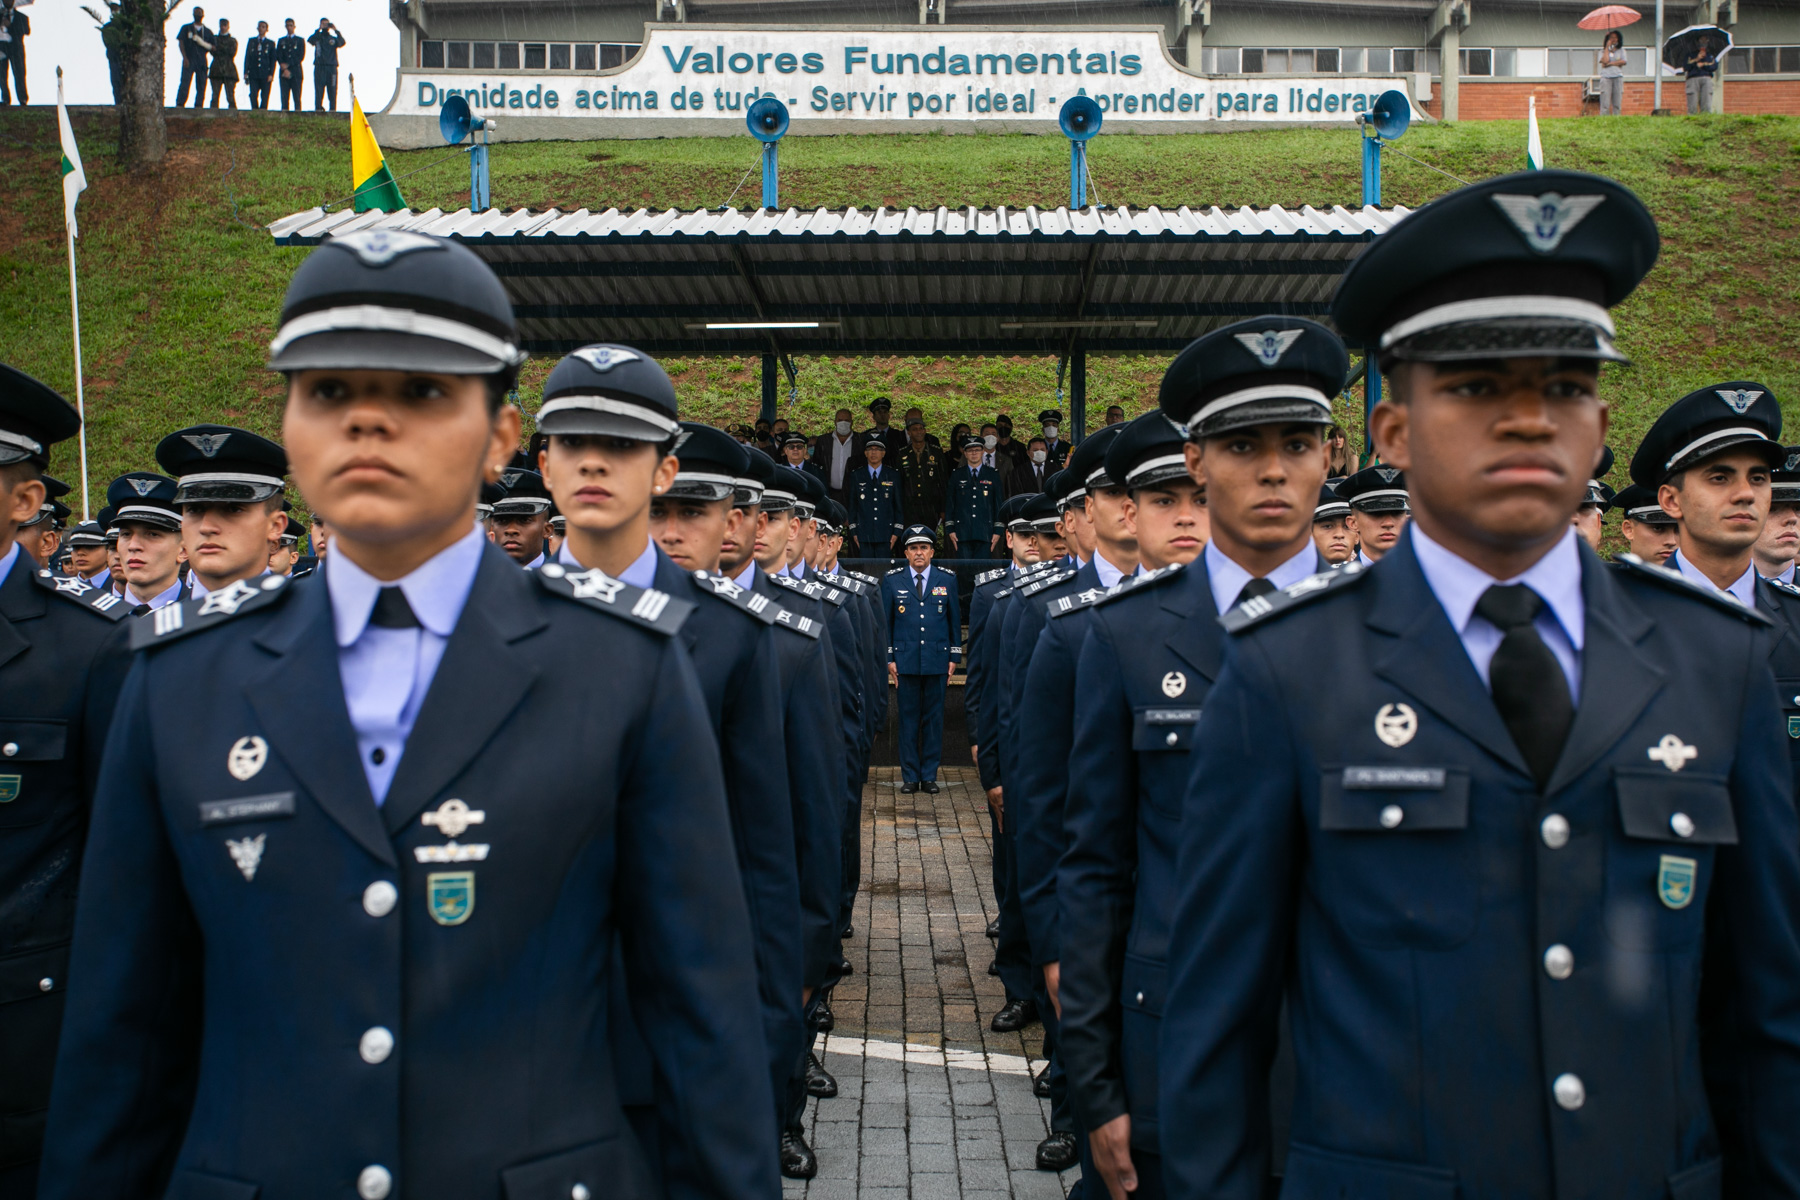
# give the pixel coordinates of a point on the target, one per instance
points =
(1254, 402)
(328, 890)
(228, 490)
(923, 618)
(1489, 865)
(972, 506)
(62, 660)
(874, 499)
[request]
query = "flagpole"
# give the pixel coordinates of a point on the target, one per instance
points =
(75, 317)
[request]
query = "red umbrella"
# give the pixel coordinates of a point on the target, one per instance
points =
(1610, 16)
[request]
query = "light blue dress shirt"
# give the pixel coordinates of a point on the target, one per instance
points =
(167, 596)
(1785, 576)
(1228, 579)
(1458, 585)
(6, 562)
(747, 577)
(1109, 574)
(386, 672)
(1743, 590)
(640, 574)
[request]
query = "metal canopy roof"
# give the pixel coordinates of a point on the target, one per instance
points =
(1000, 281)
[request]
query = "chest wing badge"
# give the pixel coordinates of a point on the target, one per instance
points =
(1396, 724)
(1173, 684)
(453, 818)
(1672, 752)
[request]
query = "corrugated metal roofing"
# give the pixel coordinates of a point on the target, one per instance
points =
(912, 281)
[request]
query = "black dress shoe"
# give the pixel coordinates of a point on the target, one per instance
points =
(994, 968)
(797, 1158)
(846, 969)
(993, 929)
(930, 786)
(818, 1080)
(1016, 1015)
(1057, 1152)
(822, 1019)
(849, 932)
(1040, 1086)
(908, 788)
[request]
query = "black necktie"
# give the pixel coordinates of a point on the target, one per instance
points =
(919, 584)
(1255, 587)
(392, 611)
(1528, 683)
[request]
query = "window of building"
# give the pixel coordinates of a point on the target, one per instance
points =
(509, 56)
(482, 58)
(1409, 60)
(559, 58)
(431, 54)
(1475, 61)
(540, 56)
(1762, 60)
(1272, 61)
(1253, 62)
(584, 58)
(456, 55)
(534, 56)
(1326, 60)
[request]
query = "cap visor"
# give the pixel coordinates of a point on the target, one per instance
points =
(374, 350)
(1273, 411)
(589, 423)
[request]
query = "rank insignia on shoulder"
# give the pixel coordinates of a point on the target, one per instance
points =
(1670, 578)
(990, 576)
(754, 603)
(104, 601)
(1133, 584)
(843, 581)
(177, 620)
(1259, 608)
(1044, 583)
(895, 571)
(1783, 587)
(598, 590)
(805, 626)
(1086, 598)
(868, 579)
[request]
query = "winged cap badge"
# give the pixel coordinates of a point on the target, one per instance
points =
(208, 444)
(1269, 345)
(510, 479)
(605, 358)
(143, 487)
(1739, 400)
(1544, 221)
(1388, 474)
(379, 247)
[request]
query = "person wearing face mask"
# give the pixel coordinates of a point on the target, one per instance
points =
(838, 455)
(1055, 445)
(1014, 452)
(1034, 475)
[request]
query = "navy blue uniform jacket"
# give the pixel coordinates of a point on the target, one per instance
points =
(1405, 889)
(62, 661)
(212, 1047)
(924, 633)
(874, 505)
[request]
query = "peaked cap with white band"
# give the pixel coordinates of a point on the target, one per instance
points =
(1267, 370)
(145, 497)
(1704, 424)
(608, 390)
(1521, 266)
(712, 463)
(220, 464)
(33, 417)
(1148, 451)
(1375, 489)
(390, 300)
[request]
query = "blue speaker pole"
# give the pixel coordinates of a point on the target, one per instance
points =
(1371, 169)
(478, 175)
(771, 197)
(1077, 175)
(1371, 393)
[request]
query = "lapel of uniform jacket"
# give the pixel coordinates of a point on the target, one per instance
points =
(20, 600)
(1199, 639)
(1425, 659)
(479, 683)
(1618, 680)
(300, 700)
(1769, 604)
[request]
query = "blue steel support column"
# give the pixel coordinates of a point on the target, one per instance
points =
(1371, 175)
(1077, 395)
(1371, 397)
(770, 367)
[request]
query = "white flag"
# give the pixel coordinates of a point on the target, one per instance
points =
(74, 178)
(1534, 146)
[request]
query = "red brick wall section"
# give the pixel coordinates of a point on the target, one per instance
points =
(1491, 101)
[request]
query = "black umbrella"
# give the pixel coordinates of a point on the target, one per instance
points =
(1681, 46)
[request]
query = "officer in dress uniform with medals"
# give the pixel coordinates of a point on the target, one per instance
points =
(228, 491)
(924, 636)
(1490, 865)
(1649, 532)
(62, 660)
(873, 496)
(1378, 509)
(609, 413)
(149, 526)
(1254, 401)
(1712, 457)
(322, 893)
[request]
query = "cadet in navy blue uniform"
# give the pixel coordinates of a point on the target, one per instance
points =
(972, 505)
(924, 644)
(1712, 456)
(1490, 865)
(229, 485)
(609, 413)
(1378, 509)
(873, 496)
(1254, 399)
(326, 891)
(62, 661)
(520, 515)
(149, 526)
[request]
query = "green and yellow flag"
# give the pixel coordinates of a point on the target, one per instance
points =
(374, 183)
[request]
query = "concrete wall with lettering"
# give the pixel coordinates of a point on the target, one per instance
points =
(695, 80)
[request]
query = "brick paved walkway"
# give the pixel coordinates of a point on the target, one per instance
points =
(931, 1103)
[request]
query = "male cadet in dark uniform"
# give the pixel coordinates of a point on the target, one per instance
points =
(1255, 400)
(327, 892)
(149, 528)
(874, 503)
(924, 644)
(610, 415)
(290, 65)
(228, 490)
(972, 506)
(1056, 448)
(1711, 456)
(285, 558)
(1378, 510)
(1331, 527)
(42, 535)
(1590, 518)
(62, 659)
(893, 440)
(521, 518)
(259, 65)
(1779, 544)
(87, 554)
(1649, 532)
(1489, 864)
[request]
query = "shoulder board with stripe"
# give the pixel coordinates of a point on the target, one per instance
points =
(1785, 588)
(1140, 581)
(103, 602)
(987, 577)
(183, 617)
(1062, 606)
(855, 586)
(598, 590)
(895, 571)
(1261, 608)
(809, 589)
(793, 622)
(868, 579)
(754, 603)
(1674, 580)
(1045, 582)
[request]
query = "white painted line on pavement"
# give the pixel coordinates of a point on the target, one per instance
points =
(930, 1056)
